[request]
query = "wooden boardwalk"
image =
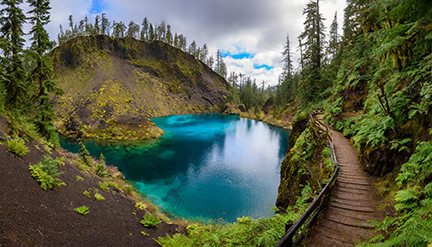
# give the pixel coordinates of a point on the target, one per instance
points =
(353, 203)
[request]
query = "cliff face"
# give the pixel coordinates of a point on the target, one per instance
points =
(306, 165)
(113, 86)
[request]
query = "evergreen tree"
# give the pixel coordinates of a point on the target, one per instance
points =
(43, 71)
(192, 48)
(210, 62)
(161, 31)
(204, 53)
(105, 26)
(12, 19)
(144, 30)
(119, 29)
(151, 33)
(97, 25)
(233, 77)
(176, 41)
(313, 53)
(133, 30)
(86, 25)
(334, 37)
(81, 28)
(287, 61)
(73, 32)
(220, 65)
(61, 37)
(169, 36)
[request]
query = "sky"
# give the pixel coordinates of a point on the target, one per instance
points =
(249, 33)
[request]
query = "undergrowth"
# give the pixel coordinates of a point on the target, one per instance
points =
(46, 172)
(414, 203)
(245, 232)
(17, 147)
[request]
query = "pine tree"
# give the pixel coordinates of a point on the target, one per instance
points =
(14, 79)
(204, 53)
(43, 71)
(287, 61)
(73, 32)
(334, 37)
(133, 30)
(176, 41)
(97, 25)
(192, 48)
(312, 56)
(151, 33)
(220, 65)
(105, 26)
(161, 31)
(144, 30)
(169, 36)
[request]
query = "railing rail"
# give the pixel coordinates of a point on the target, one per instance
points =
(310, 215)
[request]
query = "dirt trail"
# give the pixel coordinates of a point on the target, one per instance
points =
(353, 203)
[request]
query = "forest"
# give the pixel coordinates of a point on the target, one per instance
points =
(373, 82)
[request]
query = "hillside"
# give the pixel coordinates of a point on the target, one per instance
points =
(32, 216)
(113, 86)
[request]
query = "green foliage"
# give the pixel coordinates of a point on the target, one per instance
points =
(98, 196)
(101, 169)
(144, 233)
(128, 189)
(83, 210)
(46, 172)
(419, 167)
(87, 193)
(244, 220)
(78, 178)
(104, 186)
(245, 232)
(150, 220)
(85, 155)
(17, 147)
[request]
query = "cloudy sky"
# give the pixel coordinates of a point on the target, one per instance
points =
(250, 33)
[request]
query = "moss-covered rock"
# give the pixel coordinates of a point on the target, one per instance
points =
(307, 163)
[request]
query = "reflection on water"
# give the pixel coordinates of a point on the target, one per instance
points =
(209, 166)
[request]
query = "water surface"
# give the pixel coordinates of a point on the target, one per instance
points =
(209, 166)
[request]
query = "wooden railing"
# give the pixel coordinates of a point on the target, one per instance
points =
(298, 229)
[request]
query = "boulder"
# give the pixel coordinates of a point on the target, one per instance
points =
(242, 108)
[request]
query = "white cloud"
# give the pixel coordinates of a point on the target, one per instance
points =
(254, 26)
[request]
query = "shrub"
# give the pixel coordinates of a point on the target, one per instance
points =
(129, 189)
(87, 193)
(83, 210)
(46, 172)
(85, 155)
(17, 147)
(99, 197)
(104, 186)
(150, 220)
(101, 169)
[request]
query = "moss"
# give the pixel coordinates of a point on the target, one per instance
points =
(306, 163)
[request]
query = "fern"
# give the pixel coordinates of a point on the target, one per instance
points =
(17, 147)
(150, 220)
(46, 172)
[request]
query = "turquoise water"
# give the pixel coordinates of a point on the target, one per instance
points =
(209, 166)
